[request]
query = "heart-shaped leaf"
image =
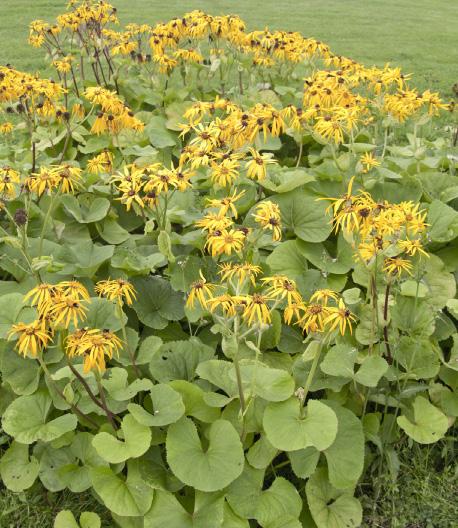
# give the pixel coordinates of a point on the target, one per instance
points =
(167, 511)
(288, 430)
(331, 508)
(167, 407)
(18, 472)
(126, 498)
(137, 439)
(429, 424)
(25, 419)
(208, 469)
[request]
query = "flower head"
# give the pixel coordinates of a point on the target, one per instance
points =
(32, 337)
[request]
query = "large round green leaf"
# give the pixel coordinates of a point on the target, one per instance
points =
(330, 257)
(65, 519)
(167, 407)
(26, 420)
(137, 439)
(429, 424)
(288, 259)
(208, 469)
(345, 457)
(247, 498)
(76, 475)
(331, 508)
(118, 387)
(126, 498)
(18, 472)
(287, 430)
(21, 375)
(167, 511)
(304, 215)
(156, 302)
(179, 359)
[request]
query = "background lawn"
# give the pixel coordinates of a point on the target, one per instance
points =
(421, 36)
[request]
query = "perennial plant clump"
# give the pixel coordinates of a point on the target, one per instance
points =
(228, 272)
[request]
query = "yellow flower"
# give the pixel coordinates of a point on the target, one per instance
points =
(340, 317)
(225, 241)
(411, 247)
(293, 310)
(323, 296)
(69, 178)
(226, 302)
(101, 163)
(396, 265)
(256, 309)
(268, 216)
(73, 289)
(78, 111)
(224, 173)
(281, 287)
(8, 179)
(214, 222)
(225, 204)
(43, 181)
(330, 127)
(94, 345)
(32, 337)
(66, 310)
(118, 290)
(41, 295)
(368, 161)
(313, 318)
(242, 271)
(6, 128)
(200, 290)
(257, 167)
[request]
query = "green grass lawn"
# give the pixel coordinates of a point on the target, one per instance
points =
(418, 35)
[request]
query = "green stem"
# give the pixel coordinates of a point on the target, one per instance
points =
(103, 399)
(45, 223)
(311, 374)
(120, 314)
(73, 407)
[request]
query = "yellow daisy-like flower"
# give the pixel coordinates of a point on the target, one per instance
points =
(225, 241)
(214, 222)
(32, 337)
(396, 265)
(340, 317)
(256, 167)
(226, 302)
(242, 271)
(69, 178)
(95, 346)
(225, 204)
(74, 290)
(323, 296)
(412, 247)
(313, 318)
(281, 287)
(41, 295)
(268, 216)
(368, 162)
(6, 128)
(67, 311)
(256, 309)
(201, 291)
(118, 290)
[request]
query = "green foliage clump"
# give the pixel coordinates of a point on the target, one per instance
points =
(226, 293)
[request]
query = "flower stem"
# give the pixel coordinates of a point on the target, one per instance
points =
(120, 314)
(311, 374)
(104, 401)
(73, 407)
